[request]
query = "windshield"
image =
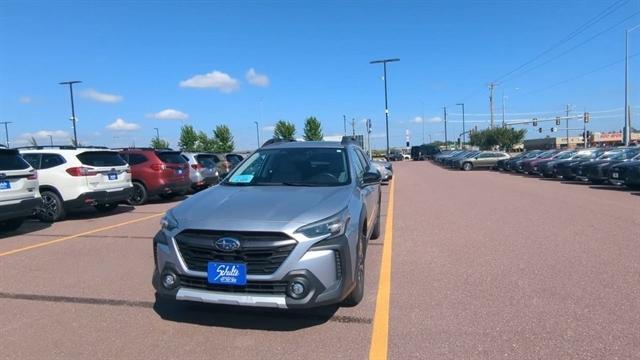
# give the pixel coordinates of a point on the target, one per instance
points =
(608, 155)
(586, 155)
(564, 155)
(293, 167)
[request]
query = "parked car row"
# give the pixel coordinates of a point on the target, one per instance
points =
(48, 181)
(468, 160)
(385, 168)
(616, 166)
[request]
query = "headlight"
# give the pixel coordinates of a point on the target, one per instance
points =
(168, 222)
(333, 226)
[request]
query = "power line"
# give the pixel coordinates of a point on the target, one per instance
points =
(603, 14)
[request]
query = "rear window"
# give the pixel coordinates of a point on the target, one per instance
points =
(10, 160)
(234, 159)
(207, 160)
(101, 158)
(171, 157)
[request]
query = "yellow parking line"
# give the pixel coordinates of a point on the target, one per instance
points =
(380, 338)
(11, 252)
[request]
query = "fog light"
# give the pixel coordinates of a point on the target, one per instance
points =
(298, 288)
(169, 281)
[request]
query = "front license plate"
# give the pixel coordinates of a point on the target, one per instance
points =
(113, 176)
(5, 185)
(614, 175)
(227, 273)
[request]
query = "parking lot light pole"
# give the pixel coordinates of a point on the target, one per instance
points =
(6, 131)
(73, 110)
(157, 134)
(257, 132)
(464, 133)
(386, 103)
(627, 110)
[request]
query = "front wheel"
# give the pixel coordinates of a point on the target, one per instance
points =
(52, 208)
(467, 166)
(138, 194)
(357, 294)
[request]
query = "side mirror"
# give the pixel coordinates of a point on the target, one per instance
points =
(371, 177)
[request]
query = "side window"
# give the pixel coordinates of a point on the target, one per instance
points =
(357, 164)
(51, 160)
(135, 159)
(33, 160)
(363, 160)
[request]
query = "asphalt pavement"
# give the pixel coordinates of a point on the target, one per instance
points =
(484, 265)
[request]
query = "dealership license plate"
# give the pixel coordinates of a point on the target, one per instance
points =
(113, 176)
(227, 273)
(5, 185)
(614, 175)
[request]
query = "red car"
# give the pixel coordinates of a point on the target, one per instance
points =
(156, 172)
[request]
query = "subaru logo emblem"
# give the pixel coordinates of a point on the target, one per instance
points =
(227, 244)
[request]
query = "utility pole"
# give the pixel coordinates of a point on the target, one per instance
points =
(157, 134)
(585, 118)
(73, 110)
(491, 88)
(386, 103)
(51, 140)
(503, 98)
(568, 109)
(627, 107)
(368, 123)
(344, 120)
(446, 140)
(464, 134)
(6, 131)
(353, 127)
(257, 132)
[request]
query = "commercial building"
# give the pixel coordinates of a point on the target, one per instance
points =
(600, 139)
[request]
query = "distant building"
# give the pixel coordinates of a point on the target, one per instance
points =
(599, 139)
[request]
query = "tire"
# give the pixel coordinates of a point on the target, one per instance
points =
(138, 195)
(467, 166)
(11, 224)
(376, 227)
(106, 208)
(52, 209)
(356, 295)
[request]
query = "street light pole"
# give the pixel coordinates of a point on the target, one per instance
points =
(464, 134)
(73, 110)
(6, 131)
(627, 110)
(257, 132)
(386, 103)
(51, 140)
(344, 121)
(157, 133)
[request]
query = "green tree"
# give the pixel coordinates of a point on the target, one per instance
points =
(284, 130)
(504, 137)
(222, 139)
(188, 138)
(204, 143)
(312, 129)
(158, 143)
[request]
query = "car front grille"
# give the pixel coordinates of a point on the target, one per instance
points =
(254, 287)
(262, 252)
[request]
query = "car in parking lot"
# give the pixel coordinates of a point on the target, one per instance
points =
(395, 157)
(204, 171)
(621, 172)
(19, 193)
(161, 172)
(597, 171)
(529, 164)
(76, 177)
(544, 167)
(566, 169)
(515, 165)
(385, 168)
(288, 228)
(483, 159)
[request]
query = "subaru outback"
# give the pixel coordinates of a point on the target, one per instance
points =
(288, 228)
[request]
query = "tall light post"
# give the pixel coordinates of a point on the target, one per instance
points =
(257, 132)
(446, 140)
(386, 103)
(627, 109)
(73, 110)
(157, 134)
(6, 131)
(503, 108)
(464, 134)
(51, 140)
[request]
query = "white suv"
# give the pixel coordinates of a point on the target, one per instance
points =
(77, 177)
(19, 196)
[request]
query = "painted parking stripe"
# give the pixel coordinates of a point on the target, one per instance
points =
(71, 237)
(380, 337)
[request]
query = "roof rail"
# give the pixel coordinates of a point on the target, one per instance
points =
(144, 148)
(275, 141)
(349, 140)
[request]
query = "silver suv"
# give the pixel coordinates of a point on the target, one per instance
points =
(288, 228)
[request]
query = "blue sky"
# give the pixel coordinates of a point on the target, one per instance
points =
(161, 64)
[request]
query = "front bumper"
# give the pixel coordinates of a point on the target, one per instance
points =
(325, 267)
(21, 209)
(99, 197)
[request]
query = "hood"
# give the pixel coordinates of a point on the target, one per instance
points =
(226, 207)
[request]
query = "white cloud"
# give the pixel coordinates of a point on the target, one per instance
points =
(120, 125)
(25, 100)
(215, 79)
(98, 96)
(269, 128)
(169, 114)
(256, 79)
(44, 134)
(417, 120)
(435, 119)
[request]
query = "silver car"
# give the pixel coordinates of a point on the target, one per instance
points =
(203, 172)
(384, 168)
(287, 228)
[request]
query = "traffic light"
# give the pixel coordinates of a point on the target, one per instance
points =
(540, 130)
(535, 122)
(588, 134)
(586, 117)
(554, 129)
(557, 120)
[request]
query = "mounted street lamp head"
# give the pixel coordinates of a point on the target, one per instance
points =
(71, 82)
(383, 61)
